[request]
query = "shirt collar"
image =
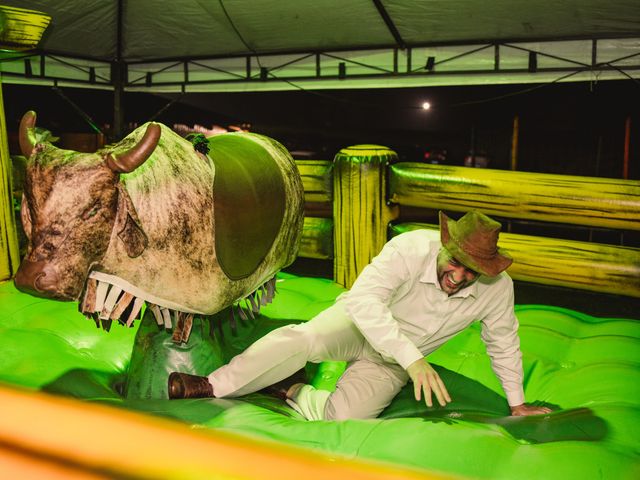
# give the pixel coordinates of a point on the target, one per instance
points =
(430, 275)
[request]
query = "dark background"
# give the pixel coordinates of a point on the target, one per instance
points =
(568, 128)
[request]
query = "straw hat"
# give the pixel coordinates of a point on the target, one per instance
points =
(473, 240)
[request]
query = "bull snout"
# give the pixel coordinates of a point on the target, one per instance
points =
(39, 279)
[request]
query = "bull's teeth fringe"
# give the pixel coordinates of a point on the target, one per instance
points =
(103, 303)
(93, 317)
(243, 315)
(251, 304)
(110, 302)
(89, 301)
(175, 316)
(255, 307)
(166, 315)
(249, 309)
(263, 295)
(155, 309)
(233, 323)
(121, 306)
(188, 324)
(178, 328)
(101, 295)
(137, 306)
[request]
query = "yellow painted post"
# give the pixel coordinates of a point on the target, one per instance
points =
(360, 211)
(9, 255)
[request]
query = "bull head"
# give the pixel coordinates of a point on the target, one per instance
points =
(71, 204)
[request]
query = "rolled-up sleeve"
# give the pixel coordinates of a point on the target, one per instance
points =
(367, 303)
(500, 335)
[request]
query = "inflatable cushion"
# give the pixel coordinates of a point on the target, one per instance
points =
(585, 367)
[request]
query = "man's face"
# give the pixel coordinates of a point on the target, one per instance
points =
(453, 276)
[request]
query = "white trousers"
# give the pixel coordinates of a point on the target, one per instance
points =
(367, 386)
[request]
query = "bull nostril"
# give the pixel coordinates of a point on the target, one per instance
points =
(36, 278)
(38, 284)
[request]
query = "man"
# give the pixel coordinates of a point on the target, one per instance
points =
(412, 297)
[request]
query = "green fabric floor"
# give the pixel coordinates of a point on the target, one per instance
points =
(585, 367)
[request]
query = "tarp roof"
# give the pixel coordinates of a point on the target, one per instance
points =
(226, 42)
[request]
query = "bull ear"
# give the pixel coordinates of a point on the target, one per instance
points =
(128, 225)
(25, 216)
(128, 161)
(25, 137)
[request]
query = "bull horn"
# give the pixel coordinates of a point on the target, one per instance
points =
(25, 136)
(128, 161)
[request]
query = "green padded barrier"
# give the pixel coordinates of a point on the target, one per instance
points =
(9, 255)
(586, 367)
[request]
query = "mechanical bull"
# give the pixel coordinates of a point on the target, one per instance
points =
(150, 220)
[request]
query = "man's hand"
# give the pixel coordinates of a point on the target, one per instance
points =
(524, 410)
(426, 379)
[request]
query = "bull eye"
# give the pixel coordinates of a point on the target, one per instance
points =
(91, 211)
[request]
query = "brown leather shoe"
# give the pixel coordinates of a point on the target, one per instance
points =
(183, 385)
(280, 389)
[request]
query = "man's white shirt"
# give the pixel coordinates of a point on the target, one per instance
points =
(398, 305)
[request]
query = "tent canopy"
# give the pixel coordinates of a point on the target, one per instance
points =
(207, 45)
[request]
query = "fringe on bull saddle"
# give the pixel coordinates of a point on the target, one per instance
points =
(108, 298)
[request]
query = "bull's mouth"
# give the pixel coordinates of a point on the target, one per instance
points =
(108, 298)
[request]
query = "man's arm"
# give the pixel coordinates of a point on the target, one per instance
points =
(500, 335)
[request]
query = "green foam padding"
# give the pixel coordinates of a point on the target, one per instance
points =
(587, 368)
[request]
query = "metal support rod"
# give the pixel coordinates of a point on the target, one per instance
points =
(627, 141)
(390, 25)
(117, 78)
(472, 149)
(167, 105)
(514, 142)
(85, 116)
